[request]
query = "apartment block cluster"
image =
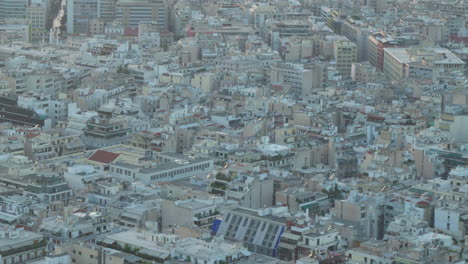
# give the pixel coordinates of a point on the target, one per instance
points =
(233, 131)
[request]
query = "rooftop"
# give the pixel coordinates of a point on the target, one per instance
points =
(11, 239)
(103, 156)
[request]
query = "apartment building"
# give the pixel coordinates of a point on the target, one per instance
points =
(132, 12)
(21, 246)
(419, 62)
(345, 55)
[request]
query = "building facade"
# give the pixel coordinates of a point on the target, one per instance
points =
(132, 12)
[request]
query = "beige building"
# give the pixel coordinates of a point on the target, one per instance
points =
(419, 62)
(454, 120)
(93, 254)
(96, 26)
(362, 211)
(300, 199)
(204, 81)
(295, 49)
(302, 79)
(364, 72)
(188, 213)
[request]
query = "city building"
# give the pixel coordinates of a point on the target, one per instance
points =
(105, 130)
(299, 131)
(170, 167)
(260, 230)
(82, 15)
(13, 9)
(379, 41)
(345, 55)
(419, 62)
(37, 14)
(19, 246)
(132, 12)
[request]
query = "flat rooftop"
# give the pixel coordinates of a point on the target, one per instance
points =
(24, 238)
(254, 214)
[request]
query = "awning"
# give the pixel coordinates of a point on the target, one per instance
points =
(310, 205)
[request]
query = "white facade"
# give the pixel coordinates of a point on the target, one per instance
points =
(164, 172)
(46, 107)
(198, 251)
(447, 220)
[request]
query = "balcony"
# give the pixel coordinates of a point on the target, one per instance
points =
(200, 216)
(40, 244)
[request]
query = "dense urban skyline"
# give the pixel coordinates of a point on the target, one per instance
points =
(233, 131)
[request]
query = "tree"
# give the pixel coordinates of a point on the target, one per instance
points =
(165, 46)
(127, 248)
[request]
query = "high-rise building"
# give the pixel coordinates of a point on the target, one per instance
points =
(81, 14)
(107, 10)
(345, 55)
(37, 16)
(132, 12)
(379, 41)
(378, 5)
(13, 8)
(357, 31)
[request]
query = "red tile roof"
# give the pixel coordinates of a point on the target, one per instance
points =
(103, 156)
(130, 32)
(459, 39)
(31, 135)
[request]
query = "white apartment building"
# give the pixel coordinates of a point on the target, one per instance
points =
(45, 107)
(294, 75)
(167, 170)
(419, 62)
(451, 220)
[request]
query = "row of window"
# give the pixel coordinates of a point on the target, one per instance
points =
(173, 173)
(22, 257)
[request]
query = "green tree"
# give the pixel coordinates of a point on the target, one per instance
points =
(127, 248)
(164, 46)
